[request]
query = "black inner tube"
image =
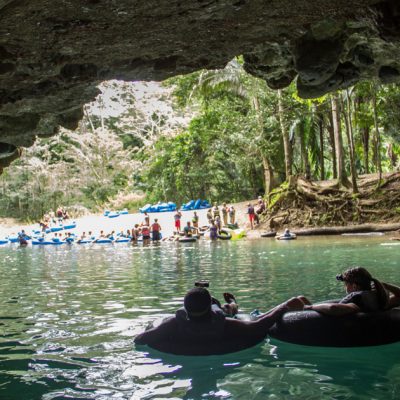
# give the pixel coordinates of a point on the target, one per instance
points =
(188, 239)
(362, 329)
(224, 235)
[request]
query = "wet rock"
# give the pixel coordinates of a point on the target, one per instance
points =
(317, 60)
(54, 54)
(388, 74)
(8, 153)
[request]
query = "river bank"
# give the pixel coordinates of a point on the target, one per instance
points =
(317, 208)
(98, 222)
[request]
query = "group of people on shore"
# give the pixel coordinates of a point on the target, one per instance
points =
(220, 215)
(254, 212)
(53, 218)
(204, 326)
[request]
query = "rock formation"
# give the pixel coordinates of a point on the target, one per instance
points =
(54, 53)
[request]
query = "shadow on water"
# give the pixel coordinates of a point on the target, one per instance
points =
(284, 371)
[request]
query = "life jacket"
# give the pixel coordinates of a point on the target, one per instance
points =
(145, 231)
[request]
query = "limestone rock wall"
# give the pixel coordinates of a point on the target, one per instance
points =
(53, 53)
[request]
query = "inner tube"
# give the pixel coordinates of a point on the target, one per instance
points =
(283, 237)
(233, 226)
(3, 241)
(71, 226)
(224, 235)
(113, 214)
(56, 228)
(187, 239)
(123, 240)
(197, 339)
(102, 241)
(268, 234)
(311, 328)
(45, 242)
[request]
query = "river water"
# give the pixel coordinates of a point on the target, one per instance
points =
(68, 317)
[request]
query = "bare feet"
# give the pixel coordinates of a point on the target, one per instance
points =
(229, 297)
(231, 308)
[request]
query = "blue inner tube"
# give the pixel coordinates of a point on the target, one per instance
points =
(45, 242)
(72, 226)
(103, 241)
(84, 241)
(123, 240)
(3, 241)
(311, 328)
(56, 228)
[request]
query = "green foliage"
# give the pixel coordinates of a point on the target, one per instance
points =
(207, 160)
(233, 141)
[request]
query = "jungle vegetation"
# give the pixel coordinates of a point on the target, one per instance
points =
(242, 140)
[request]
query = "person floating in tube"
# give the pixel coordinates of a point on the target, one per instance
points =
(364, 294)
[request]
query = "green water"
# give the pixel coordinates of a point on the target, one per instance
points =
(69, 314)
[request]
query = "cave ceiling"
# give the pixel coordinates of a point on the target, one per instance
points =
(53, 54)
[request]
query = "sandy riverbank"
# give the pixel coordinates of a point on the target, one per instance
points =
(96, 223)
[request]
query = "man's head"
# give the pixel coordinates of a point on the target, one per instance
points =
(197, 303)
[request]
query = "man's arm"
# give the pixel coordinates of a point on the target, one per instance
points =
(157, 334)
(257, 330)
(394, 298)
(334, 309)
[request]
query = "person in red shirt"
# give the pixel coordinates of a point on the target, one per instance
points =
(177, 217)
(155, 230)
(252, 214)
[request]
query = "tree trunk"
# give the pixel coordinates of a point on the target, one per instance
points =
(341, 172)
(333, 147)
(321, 147)
(268, 176)
(305, 165)
(349, 133)
(286, 143)
(377, 137)
(365, 143)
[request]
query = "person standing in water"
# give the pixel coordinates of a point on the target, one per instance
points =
(213, 230)
(224, 214)
(195, 220)
(177, 218)
(209, 215)
(146, 219)
(155, 230)
(232, 214)
(215, 211)
(251, 213)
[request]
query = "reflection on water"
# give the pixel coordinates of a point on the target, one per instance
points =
(69, 314)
